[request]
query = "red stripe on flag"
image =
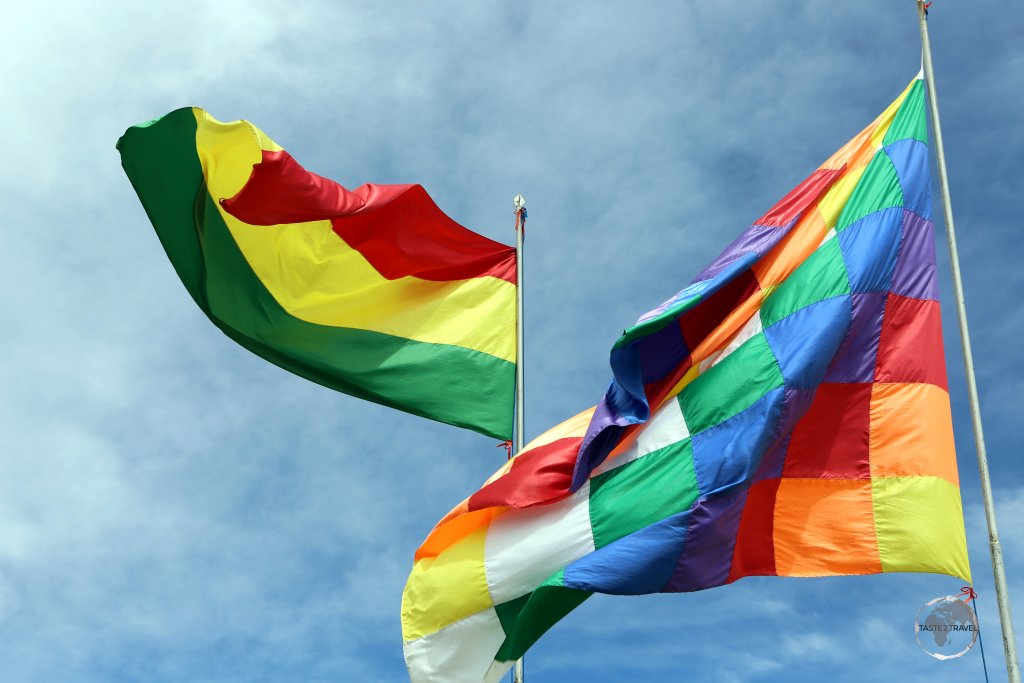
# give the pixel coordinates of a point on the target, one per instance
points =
(397, 228)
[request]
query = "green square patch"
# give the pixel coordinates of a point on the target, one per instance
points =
(879, 188)
(821, 276)
(732, 386)
(910, 121)
(640, 493)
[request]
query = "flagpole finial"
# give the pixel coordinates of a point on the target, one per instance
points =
(519, 201)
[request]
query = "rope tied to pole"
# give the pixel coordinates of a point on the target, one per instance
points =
(521, 220)
(507, 445)
(969, 594)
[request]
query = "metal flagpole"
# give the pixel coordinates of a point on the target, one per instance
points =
(520, 205)
(1002, 594)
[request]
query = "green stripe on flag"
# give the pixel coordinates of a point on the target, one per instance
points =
(163, 168)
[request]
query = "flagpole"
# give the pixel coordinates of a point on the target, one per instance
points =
(998, 570)
(520, 205)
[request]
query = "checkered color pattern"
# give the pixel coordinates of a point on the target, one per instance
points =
(785, 414)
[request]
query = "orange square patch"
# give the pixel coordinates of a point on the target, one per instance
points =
(911, 432)
(824, 527)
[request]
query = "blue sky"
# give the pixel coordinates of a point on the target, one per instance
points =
(173, 508)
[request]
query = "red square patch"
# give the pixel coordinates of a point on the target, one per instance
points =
(831, 440)
(910, 347)
(754, 554)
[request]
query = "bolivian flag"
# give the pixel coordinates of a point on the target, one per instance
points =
(375, 292)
